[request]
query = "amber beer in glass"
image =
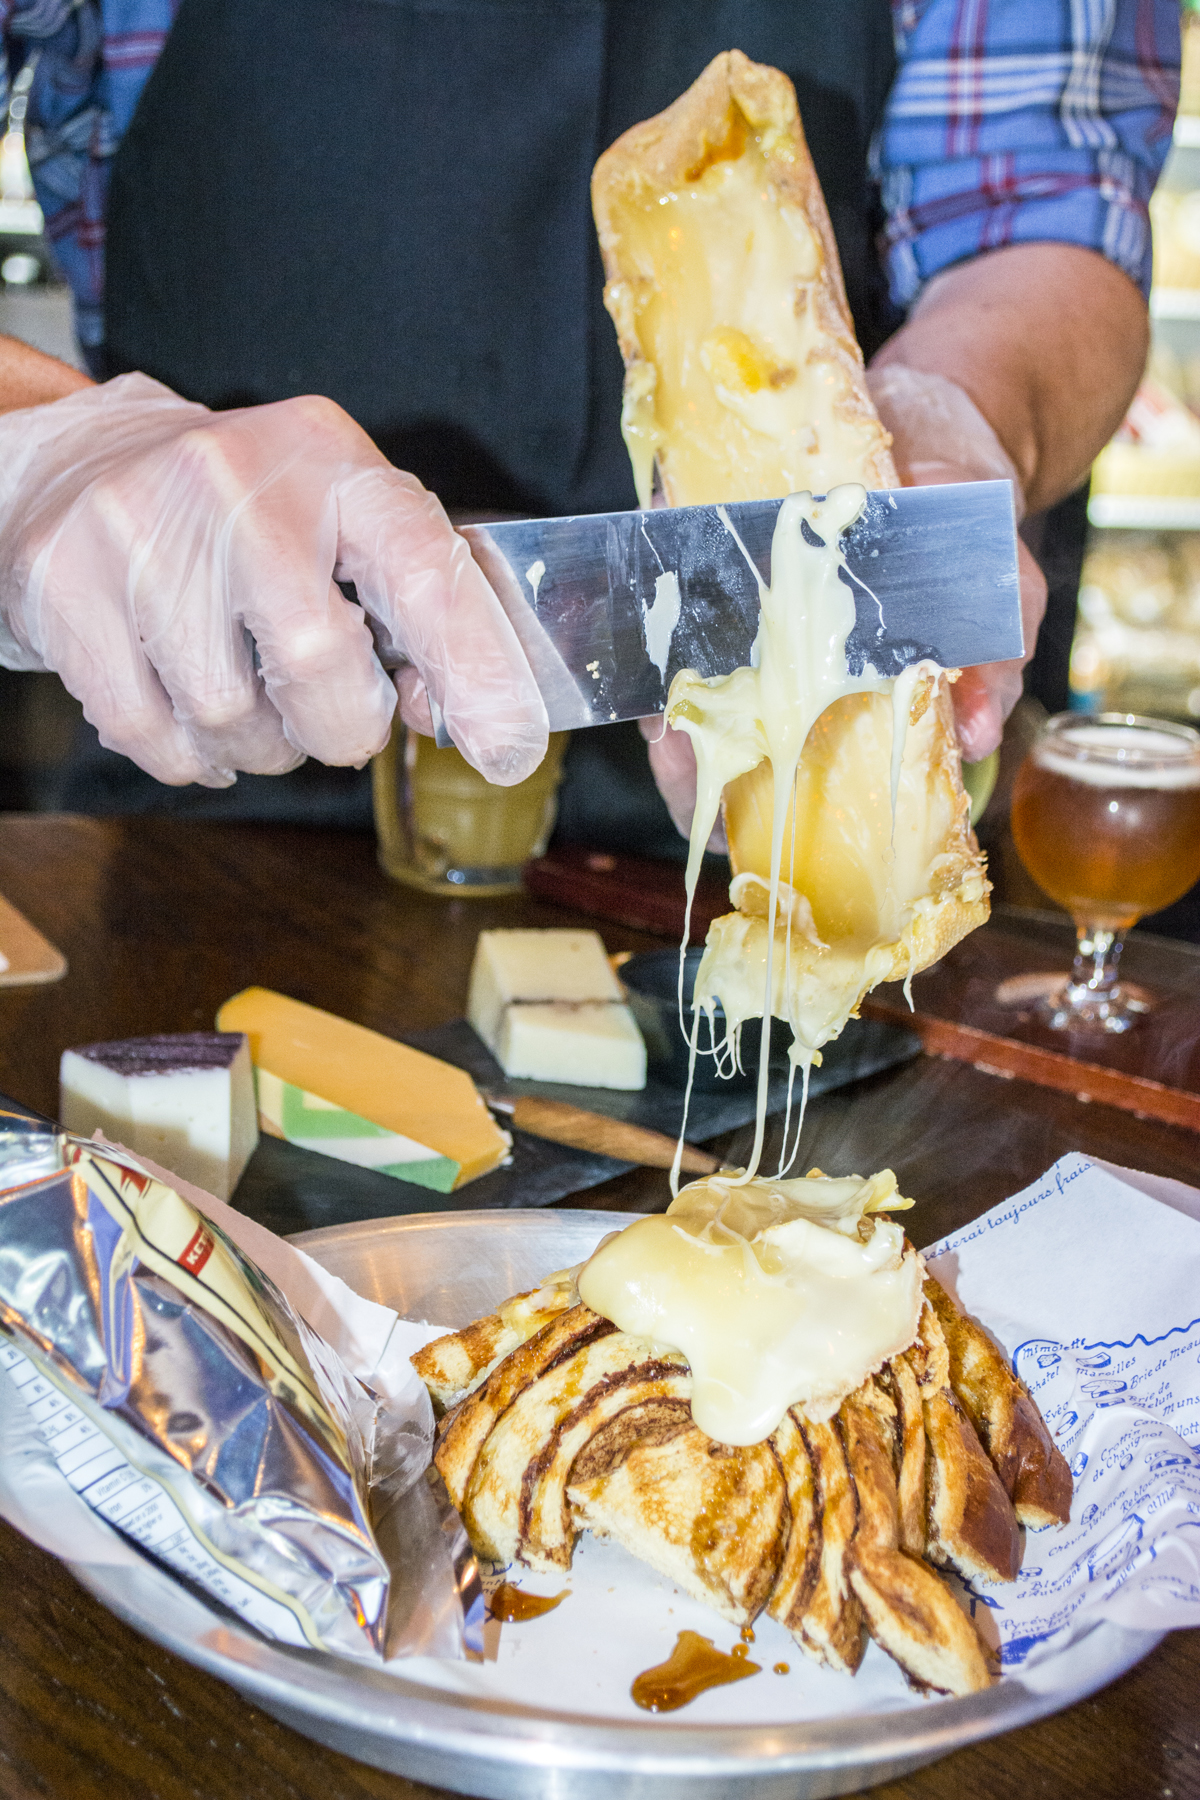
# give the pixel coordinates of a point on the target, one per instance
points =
(442, 827)
(1106, 817)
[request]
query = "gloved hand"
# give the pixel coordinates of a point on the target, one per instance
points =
(939, 434)
(176, 568)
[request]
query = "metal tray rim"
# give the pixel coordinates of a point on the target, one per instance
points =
(711, 1752)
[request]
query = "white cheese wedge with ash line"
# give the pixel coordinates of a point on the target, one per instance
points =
(549, 1008)
(186, 1099)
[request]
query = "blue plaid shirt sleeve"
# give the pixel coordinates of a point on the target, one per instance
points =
(1025, 121)
(91, 60)
(1010, 121)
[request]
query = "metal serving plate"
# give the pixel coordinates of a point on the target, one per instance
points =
(451, 1267)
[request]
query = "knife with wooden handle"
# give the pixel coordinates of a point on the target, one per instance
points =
(564, 1124)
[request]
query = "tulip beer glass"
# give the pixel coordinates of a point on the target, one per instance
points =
(1106, 817)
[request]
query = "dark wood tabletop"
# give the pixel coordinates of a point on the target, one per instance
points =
(160, 922)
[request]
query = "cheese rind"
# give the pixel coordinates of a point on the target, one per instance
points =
(185, 1099)
(390, 1085)
(549, 1008)
(584, 1043)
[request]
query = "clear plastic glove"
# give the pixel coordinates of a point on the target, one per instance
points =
(939, 434)
(176, 568)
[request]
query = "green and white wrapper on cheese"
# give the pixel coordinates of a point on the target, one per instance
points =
(314, 1124)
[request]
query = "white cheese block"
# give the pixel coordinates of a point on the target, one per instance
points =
(549, 1008)
(535, 965)
(186, 1101)
(587, 1043)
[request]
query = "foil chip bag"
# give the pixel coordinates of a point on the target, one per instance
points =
(185, 1399)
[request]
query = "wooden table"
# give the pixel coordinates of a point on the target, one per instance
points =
(160, 922)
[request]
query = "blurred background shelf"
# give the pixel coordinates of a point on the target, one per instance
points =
(1136, 645)
(1144, 512)
(1175, 303)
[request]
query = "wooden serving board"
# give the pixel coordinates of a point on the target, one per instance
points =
(976, 1006)
(25, 955)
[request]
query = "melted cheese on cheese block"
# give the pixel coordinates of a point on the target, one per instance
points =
(848, 826)
(780, 1293)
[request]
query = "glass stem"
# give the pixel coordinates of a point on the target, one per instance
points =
(1097, 953)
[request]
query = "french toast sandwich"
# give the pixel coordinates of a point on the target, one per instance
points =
(833, 1527)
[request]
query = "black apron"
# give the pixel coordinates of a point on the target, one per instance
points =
(387, 201)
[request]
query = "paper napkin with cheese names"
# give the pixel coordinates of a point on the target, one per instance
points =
(1090, 1279)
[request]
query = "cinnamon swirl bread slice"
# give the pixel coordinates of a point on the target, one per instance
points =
(1032, 1470)
(910, 1613)
(710, 1517)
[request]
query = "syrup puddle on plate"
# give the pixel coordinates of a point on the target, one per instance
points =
(512, 1606)
(693, 1666)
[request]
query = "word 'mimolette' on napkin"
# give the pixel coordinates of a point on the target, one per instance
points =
(1093, 1288)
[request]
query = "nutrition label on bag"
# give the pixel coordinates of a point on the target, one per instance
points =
(135, 1503)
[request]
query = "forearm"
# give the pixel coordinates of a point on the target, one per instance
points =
(1048, 340)
(27, 377)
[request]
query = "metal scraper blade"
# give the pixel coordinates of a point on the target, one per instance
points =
(592, 598)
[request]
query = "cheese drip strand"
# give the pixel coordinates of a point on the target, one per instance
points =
(779, 1294)
(805, 954)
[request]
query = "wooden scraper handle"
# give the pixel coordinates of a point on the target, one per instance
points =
(564, 1124)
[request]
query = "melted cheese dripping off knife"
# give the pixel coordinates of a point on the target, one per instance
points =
(798, 670)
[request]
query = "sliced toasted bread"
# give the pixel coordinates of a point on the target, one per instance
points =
(1032, 1470)
(468, 1428)
(900, 1384)
(909, 1611)
(492, 1500)
(648, 1402)
(970, 1523)
(801, 1562)
(451, 1365)
(829, 1624)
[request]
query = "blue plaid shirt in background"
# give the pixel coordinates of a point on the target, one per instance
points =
(1010, 121)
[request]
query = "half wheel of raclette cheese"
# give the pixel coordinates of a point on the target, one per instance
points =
(744, 381)
(743, 377)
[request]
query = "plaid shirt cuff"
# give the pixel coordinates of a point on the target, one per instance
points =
(946, 213)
